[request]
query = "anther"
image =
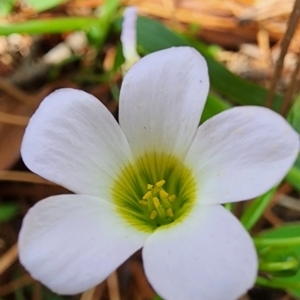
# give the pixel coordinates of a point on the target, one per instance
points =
(156, 202)
(163, 194)
(153, 214)
(143, 202)
(147, 195)
(171, 198)
(170, 212)
(160, 183)
(149, 186)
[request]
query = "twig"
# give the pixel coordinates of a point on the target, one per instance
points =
(289, 202)
(141, 282)
(284, 189)
(289, 95)
(245, 297)
(13, 119)
(94, 293)
(37, 291)
(23, 177)
(17, 94)
(113, 287)
(8, 258)
(272, 218)
(89, 294)
(292, 24)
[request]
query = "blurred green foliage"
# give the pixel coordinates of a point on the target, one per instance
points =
(8, 211)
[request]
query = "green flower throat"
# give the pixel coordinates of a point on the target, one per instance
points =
(157, 190)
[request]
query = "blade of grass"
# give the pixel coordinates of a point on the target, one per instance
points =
(293, 178)
(54, 25)
(256, 209)
(213, 106)
(99, 26)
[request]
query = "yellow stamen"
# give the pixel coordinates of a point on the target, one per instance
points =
(143, 202)
(156, 202)
(170, 212)
(171, 198)
(166, 203)
(153, 214)
(160, 183)
(147, 195)
(163, 194)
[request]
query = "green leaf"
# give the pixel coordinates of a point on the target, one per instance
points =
(283, 264)
(287, 231)
(288, 281)
(119, 58)
(295, 292)
(214, 105)
(293, 118)
(294, 114)
(42, 5)
(256, 209)
(8, 211)
(153, 36)
(293, 177)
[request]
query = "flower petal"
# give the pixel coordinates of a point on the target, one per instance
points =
(208, 256)
(161, 100)
(128, 36)
(73, 242)
(241, 153)
(74, 141)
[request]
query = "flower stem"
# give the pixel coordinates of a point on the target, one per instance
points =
(263, 242)
(278, 283)
(256, 209)
(291, 264)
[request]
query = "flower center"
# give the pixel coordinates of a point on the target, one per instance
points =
(158, 202)
(157, 190)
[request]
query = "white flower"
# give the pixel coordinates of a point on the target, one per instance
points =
(155, 181)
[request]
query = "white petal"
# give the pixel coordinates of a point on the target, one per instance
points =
(73, 242)
(73, 140)
(161, 100)
(128, 35)
(241, 153)
(208, 256)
